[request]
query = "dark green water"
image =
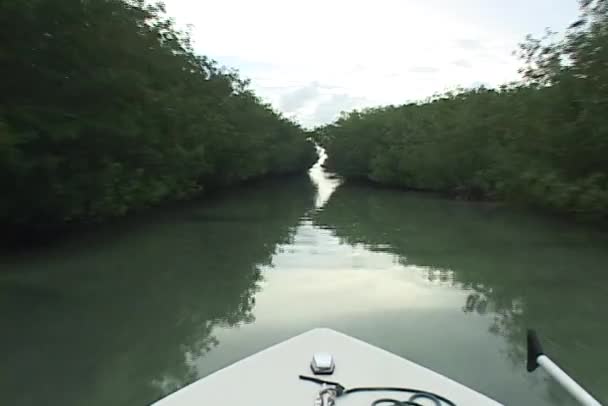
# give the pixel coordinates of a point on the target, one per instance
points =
(129, 313)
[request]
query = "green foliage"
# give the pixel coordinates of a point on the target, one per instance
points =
(542, 142)
(105, 108)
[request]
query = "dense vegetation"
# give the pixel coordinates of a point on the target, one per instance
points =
(105, 108)
(543, 141)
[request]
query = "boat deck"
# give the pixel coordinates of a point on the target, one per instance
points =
(270, 377)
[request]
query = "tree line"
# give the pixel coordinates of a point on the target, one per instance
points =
(105, 108)
(542, 141)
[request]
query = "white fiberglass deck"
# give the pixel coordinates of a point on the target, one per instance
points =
(270, 377)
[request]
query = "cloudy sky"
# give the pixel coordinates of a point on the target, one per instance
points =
(312, 59)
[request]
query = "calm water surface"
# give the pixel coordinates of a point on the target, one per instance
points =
(129, 313)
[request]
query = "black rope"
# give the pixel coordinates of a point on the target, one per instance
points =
(393, 402)
(416, 393)
(339, 388)
(410, 401)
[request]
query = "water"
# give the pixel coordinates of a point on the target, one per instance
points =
(126, 314)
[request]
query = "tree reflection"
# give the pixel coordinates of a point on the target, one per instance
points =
(519, 269)
(122, 320)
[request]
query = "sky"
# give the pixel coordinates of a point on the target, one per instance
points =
(313, 59)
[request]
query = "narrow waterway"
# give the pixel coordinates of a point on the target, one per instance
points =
(129, 313)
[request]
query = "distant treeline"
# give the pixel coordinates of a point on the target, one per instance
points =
(105, 108)
(542, 142)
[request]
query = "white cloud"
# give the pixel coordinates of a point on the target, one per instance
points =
(298, 98)
(462, 63)
(329, 110)
(423, 69)
(469, 44)
(313, 59)
(316, 103)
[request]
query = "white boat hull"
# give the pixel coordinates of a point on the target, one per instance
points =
(270, 377)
